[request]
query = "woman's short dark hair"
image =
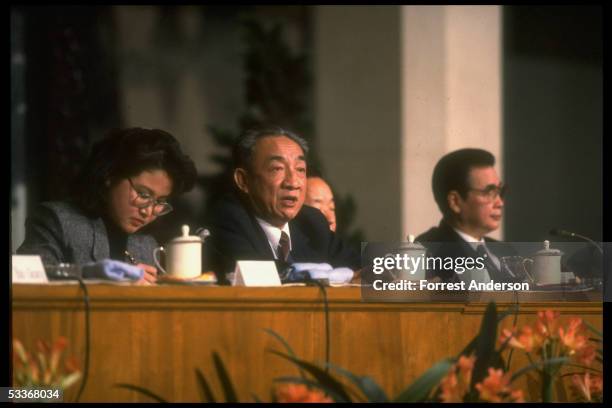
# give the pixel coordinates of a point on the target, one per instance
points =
(452, 172)
(126, 153)
(243, 148)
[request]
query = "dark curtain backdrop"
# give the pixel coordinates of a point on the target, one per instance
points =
(71, 92)
(553, 120)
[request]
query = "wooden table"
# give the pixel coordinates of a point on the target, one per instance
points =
(156, 336)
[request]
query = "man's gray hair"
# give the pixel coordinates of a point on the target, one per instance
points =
(243, 149)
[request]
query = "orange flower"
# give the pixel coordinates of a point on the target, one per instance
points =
(72, 365)
(43, 368)
(451, 392)
(299, 393)
(466, 364)
(572, 339)
(588, 388)
(516, 396)
(60, 344)
(506, 334)
(547, 323)
(597, 386)
(586, 354)
(58, 347)
(456, 383)
(496, 388)
(527, 339)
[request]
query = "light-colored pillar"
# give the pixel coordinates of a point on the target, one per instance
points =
(451, 97)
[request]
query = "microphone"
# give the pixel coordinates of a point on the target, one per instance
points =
(563, 233)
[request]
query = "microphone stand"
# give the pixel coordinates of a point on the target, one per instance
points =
(582, 237)
(570, 234)
(573, 234)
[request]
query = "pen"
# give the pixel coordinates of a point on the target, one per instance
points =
(130, 257)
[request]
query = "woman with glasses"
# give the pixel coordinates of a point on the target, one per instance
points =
(126, 183)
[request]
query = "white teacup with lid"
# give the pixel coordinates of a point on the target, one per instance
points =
(413, 250)
(546, 268)
(183, 255)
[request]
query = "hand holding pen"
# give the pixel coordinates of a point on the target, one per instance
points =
(150, 272)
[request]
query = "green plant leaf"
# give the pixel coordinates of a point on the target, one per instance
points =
(485, 345)
(226, 383)
(571, 373)
(143, 391)
(420, 389)
(370, 389)
(332, 386)
(539, 364)
(285, 343)
(207, 395)
(471, 346)
(594, 370)
(592, 329)
(583, 367)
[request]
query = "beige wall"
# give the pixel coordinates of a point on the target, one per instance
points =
(396, 88)
(357, 110)
(185, 87)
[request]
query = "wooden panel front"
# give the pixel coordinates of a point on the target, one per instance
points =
(156, 336)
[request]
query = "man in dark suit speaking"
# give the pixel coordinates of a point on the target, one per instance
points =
(470, 196)
(267, 219)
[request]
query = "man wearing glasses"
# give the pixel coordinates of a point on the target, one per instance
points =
(470, 196)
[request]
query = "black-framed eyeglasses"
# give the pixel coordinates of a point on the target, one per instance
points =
(492, 192)
(143, 199)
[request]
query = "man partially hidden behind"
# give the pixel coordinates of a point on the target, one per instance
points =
(319, 195)
(470, 196)
(266, 218)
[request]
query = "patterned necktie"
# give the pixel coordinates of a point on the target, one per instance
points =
(283, 246)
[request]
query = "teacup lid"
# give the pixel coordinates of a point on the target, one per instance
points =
(185, 237)
(411, 245)
(548, 251)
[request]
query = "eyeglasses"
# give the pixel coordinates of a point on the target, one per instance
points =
(491, 192)
(142, 199)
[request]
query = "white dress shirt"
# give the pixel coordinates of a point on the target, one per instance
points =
(274, 234)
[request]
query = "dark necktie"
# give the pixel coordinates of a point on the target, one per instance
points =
(494, 273)
(283, 246)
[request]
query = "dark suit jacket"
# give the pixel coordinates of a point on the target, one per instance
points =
(443, 241)
(236, 235)
(60, 232)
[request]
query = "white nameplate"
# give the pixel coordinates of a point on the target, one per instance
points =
(256, 273)
(28, 269)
